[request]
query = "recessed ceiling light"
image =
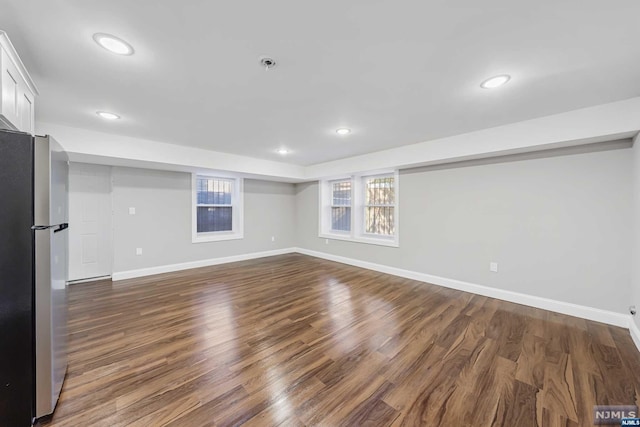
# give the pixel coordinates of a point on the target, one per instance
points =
(282, 151)
(113, 44)
(108, 116)
(495, 81)
(343, 131)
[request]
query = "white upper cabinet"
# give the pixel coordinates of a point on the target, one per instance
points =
(17, 90)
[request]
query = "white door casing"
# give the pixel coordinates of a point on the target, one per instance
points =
(90, 212)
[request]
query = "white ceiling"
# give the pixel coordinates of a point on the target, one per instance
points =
(396, 72)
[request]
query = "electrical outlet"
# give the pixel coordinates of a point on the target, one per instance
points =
(138, 251)
(132, 211)
(326, 241)
(273, 238)
(493, 266)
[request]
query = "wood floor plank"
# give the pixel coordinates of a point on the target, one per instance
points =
(522, 410)
(471, 383)
(558, 395)
(627, 351)
(508, 329)
(612, 371)
(531, 362)
(298, 341)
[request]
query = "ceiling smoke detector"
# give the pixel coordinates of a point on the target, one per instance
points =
(267, 63)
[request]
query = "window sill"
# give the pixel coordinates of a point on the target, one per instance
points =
(216, 237)
(380, 241)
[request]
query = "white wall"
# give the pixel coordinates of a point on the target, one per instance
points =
(635, 284)
(557, 226)
(162, 223)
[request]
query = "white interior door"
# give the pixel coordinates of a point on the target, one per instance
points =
(89, 221)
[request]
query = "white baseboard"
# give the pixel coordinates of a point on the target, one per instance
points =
(590, 313)
(131, 274)
(88, 280)
(635, 332)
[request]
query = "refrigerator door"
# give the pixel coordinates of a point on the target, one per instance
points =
(50, 198)
(59, 264)
(16, 279)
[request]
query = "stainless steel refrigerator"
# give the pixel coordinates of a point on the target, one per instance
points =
(33, 276)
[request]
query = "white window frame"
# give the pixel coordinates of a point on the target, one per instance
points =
(358, 188)
(237, 211)
(331, 206)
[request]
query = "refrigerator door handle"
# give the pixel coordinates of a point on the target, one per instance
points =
(42, 227)
(61, 227)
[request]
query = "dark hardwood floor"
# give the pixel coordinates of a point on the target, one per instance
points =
(294, 340)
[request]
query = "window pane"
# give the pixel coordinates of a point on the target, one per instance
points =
(380, 220)
(214, 219)
(341, 219)
(341, 193)
(212, 191)
(380, 191)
